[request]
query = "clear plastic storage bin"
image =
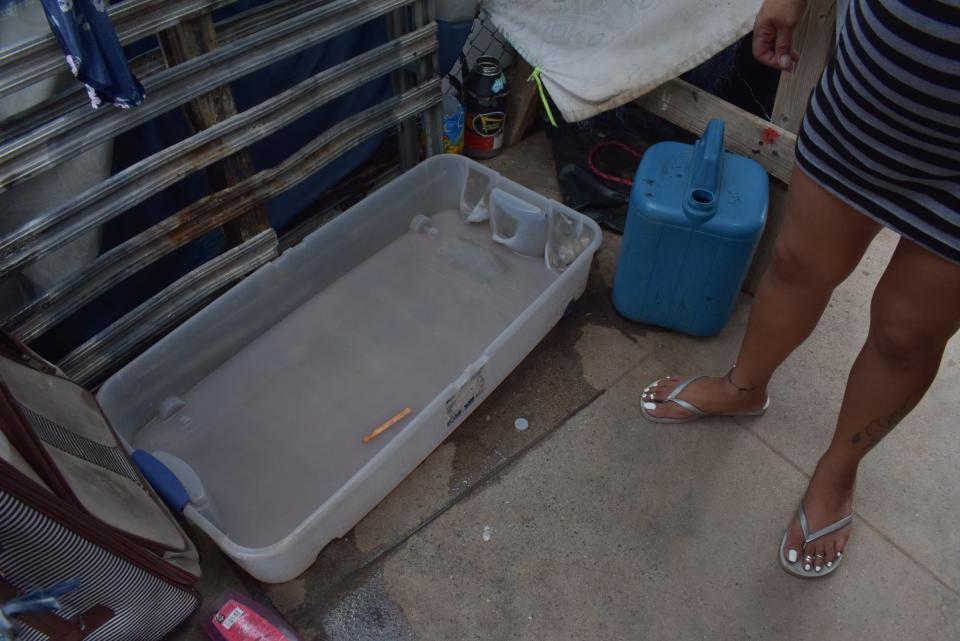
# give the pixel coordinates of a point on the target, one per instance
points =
(261, 401)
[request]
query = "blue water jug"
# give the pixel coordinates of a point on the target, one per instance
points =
(695, 216)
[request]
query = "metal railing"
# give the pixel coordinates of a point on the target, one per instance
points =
(64, 126)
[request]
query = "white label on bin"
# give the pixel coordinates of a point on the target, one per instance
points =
(465, 398)
(232, 618)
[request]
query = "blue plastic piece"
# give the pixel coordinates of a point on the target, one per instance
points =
(695, 217)
(451, 36)
(163, 481)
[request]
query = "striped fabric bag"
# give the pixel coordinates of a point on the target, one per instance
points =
(74, 508)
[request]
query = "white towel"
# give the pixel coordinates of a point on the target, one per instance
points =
(595, 55)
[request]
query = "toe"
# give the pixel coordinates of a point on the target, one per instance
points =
(659, 389)
(819, 554)
(654, 396)
(829, 553)
(793, 549)
(841, 543)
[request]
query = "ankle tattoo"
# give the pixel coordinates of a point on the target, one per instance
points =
(739, 389)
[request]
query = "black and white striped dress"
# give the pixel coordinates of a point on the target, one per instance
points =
(882, 131)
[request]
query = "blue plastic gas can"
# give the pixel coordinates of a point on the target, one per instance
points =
(695, 216)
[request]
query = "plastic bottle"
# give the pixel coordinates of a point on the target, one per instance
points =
(452, 125)
(485, 104)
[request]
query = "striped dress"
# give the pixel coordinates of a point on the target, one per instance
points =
(882, 131)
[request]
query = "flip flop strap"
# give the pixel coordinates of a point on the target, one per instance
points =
(822, 532)
(690, 407)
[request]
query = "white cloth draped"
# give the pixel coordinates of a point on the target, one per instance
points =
(595, 55)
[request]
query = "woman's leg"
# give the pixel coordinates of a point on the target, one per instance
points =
(914, 312)
(820, 243)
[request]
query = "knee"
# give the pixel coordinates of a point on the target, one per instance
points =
(901, 339)
(792, 266)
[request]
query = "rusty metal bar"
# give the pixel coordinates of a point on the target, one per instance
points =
(255, 19)
(407, 139)
(432, 119)
(66, 137)
(166, 309)
(213, 211)
(28, 62)
(370, 179)
(138, 182)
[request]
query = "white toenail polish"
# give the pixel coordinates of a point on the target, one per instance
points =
(817, 568)
(807, 567)
(829, 564)
(649, 406)
(792, 556)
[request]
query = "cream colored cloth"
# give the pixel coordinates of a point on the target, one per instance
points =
(595, 55)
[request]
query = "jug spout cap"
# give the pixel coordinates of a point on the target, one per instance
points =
(701, 198)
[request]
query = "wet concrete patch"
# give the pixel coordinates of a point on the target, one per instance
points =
(546, 388)
(408, 505)
(366, 614)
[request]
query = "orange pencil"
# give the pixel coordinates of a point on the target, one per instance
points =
(387, 425)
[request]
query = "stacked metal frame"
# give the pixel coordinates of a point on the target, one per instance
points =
(65, 126)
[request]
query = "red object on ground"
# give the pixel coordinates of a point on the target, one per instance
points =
(235, 617)
(636, 153)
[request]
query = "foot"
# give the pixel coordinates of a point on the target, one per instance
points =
(828, 499)
(713, 395)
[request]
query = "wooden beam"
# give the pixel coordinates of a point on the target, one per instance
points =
(522, 103)
(692, 108)
(189, 39)
(814, 39)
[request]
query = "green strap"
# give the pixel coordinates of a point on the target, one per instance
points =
(535, 77)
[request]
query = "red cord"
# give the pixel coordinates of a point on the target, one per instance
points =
(636, 153)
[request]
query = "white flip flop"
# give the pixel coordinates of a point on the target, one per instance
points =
(690, 407)
(796, 568)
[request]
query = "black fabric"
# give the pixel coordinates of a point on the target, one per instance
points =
(882, 131)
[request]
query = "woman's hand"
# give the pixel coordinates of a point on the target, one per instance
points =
(773, 33)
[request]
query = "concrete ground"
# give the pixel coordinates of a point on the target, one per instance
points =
(595, 524)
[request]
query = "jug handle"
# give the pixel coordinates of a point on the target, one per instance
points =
(496, 211)
(701, 198)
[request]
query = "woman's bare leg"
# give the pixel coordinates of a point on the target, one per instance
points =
(820, 243)
(914, 312)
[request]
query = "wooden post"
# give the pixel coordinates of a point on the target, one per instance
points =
(522, 102)
(187, 40)
(815, 40)
(691, 108)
